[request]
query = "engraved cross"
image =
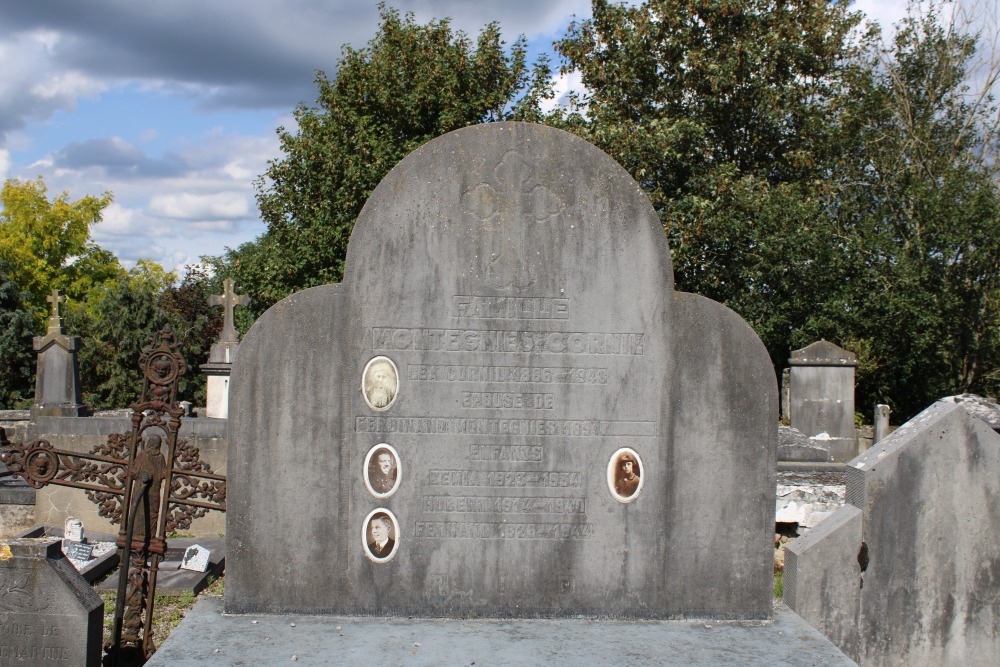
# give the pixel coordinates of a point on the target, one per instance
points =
(229, 299)
(55, 299)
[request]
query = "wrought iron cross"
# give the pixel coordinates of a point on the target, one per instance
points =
(229, 299)
(149, 481)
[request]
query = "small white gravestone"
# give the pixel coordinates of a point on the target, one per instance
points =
(73, 530)
(195, 558)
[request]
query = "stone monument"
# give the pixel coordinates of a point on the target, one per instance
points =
(821, 387)
(907, 573)
(57, 381)
(48, 612)
(504, 410)
(222, 353)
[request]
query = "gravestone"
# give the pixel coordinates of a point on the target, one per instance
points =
(57, 380)
(220, 358)
(504, 410)
(909, 573)
(48, 612)
(821, 389)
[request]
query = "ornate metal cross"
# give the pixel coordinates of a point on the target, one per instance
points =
(229, 299)
(149, 481)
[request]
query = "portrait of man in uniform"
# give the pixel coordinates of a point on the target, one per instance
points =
(382, 470)
(380, 382)
(380, 535)
(625, 475)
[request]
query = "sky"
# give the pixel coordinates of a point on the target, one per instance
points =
(173, 106)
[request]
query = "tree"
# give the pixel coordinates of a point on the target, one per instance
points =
(410, 84)
(47, 245)
(116, 323)
(920, 188)
(17, 326)
(196, 324)
(721, 110)
(818, 183)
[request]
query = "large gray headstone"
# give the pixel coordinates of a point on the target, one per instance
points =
(519, 282)
(57, 378)
(821, 392)
(48, 612)
(914, 577)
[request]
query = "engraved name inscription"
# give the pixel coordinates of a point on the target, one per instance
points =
(505, 505)
(524, 374)
(507, 399)
(518, 453)
(499, 341)
(506, 530)
(497, 426)
(509, 308)
(510, 479)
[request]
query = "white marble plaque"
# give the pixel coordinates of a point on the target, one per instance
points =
(195, 558)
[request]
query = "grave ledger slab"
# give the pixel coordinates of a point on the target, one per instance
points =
(504, 410)
(48, 612)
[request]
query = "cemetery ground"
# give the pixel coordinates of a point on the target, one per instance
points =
(170, 610)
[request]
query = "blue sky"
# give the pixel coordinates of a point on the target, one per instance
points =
(173, 106)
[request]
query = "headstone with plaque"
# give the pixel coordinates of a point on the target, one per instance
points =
(48, 612)
(504, 410)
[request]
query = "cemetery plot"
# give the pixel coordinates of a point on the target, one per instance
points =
(546, 415)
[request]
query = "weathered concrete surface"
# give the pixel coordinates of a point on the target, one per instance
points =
(822, 397)
(207, 637)
(490, 265)
(48, 613)
(822, 581)
(931, 527)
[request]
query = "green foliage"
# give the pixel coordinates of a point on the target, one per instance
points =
(819, 184)
(17, 326)
(46, 244)
(410, 84)
(118, 320)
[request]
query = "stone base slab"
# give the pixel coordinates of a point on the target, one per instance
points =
(207, 636)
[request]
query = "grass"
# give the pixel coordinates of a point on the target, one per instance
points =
(779, 584)
(168, 611)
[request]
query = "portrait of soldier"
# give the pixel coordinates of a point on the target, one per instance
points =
(627, 475)
(383, 471)
(380, 543)
(380, 383)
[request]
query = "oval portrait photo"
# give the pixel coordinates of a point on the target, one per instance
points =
(379, 535)
(380, 383)
(625, 475)
(382, 472)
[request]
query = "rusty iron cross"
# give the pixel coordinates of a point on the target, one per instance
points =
(149, 481)
(229, 299)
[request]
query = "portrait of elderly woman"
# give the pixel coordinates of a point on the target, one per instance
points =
(379, 383)
(382, 470)
(625, 475)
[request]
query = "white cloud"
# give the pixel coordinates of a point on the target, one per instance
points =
(563, 86)
(116, 220)
(197, 207)
(4, 163)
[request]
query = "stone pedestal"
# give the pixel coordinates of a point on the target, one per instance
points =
(57, 381)
(220, 359)
(217, 370)
(48, 612)
(821, 388)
